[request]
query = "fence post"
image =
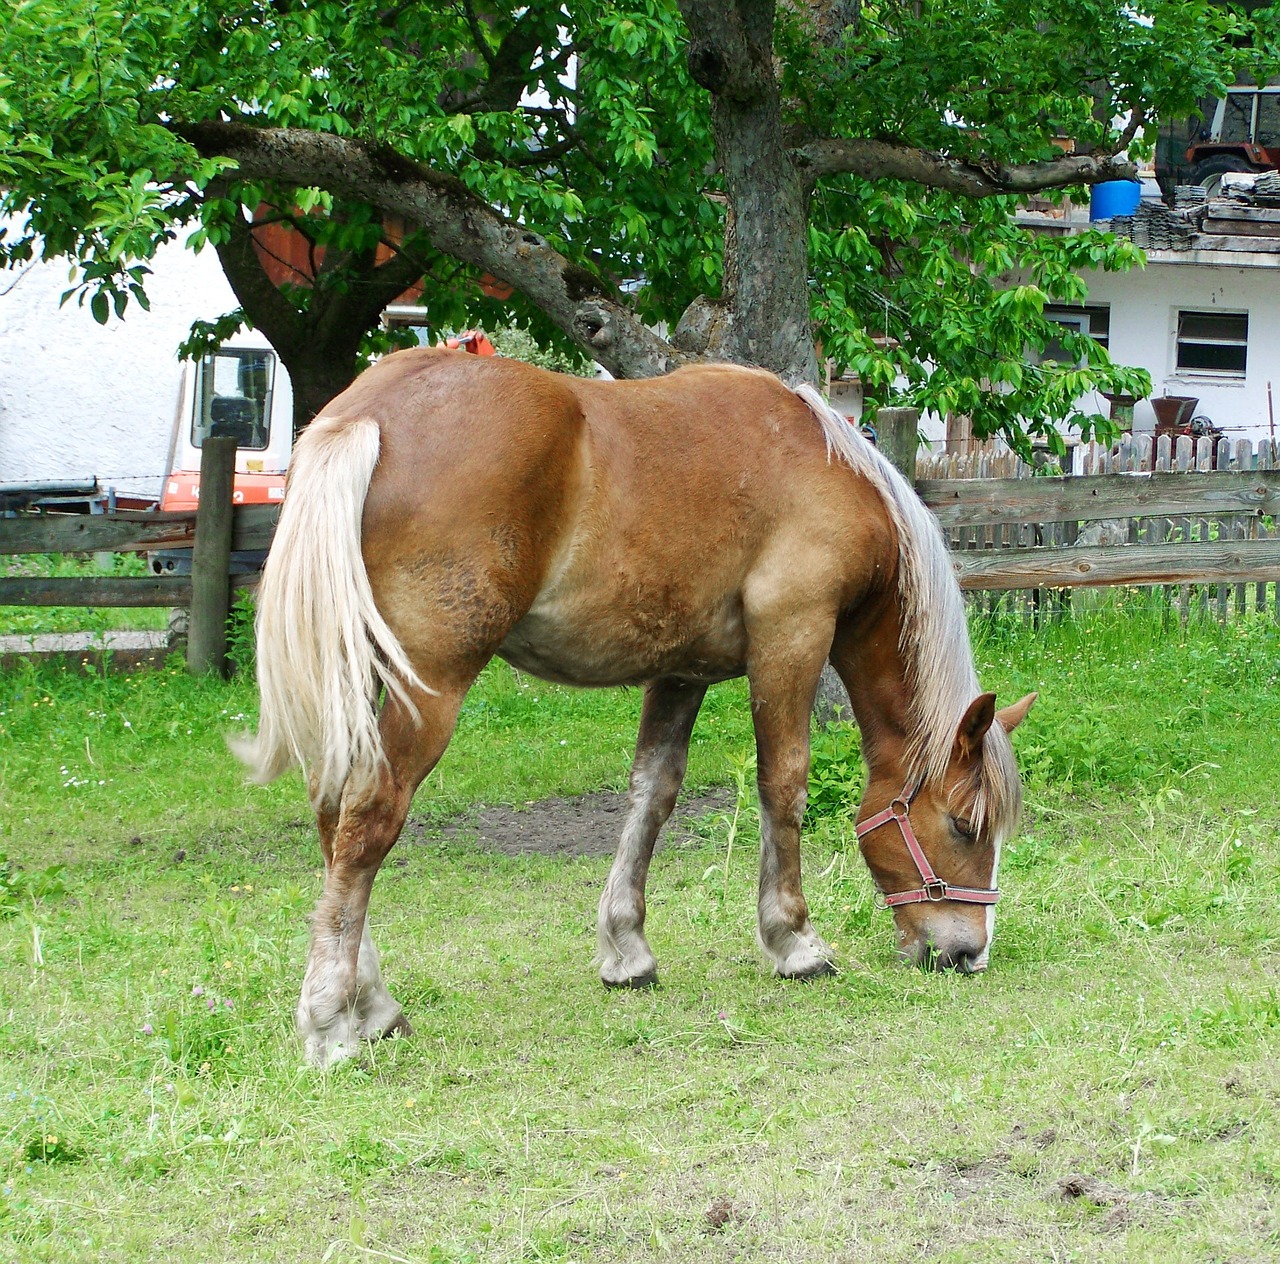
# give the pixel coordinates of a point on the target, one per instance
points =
(898, 432)
(211, 559)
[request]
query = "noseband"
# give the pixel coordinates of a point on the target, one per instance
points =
(933, 890)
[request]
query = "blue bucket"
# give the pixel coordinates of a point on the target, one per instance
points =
(1114, 197)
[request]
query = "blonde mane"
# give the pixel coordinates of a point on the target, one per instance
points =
(935, 632)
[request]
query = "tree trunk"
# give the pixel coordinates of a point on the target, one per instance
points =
(766, 293)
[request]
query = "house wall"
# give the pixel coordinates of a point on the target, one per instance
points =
(1144, 316)
(79, 399)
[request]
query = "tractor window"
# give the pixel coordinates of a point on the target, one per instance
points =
(1237, 118)
(1268, 133)
(233, 397)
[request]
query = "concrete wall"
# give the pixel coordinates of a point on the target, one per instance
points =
(79, 399)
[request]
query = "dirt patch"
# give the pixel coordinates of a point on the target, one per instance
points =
(588, 825)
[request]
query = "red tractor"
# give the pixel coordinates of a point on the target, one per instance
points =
(1242, 135)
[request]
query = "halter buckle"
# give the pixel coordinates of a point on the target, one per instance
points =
(935, 890)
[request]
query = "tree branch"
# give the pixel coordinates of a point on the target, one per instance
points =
(882, 160)
(455, 222)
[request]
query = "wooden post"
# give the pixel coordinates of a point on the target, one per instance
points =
(898, 431)
(211, 559)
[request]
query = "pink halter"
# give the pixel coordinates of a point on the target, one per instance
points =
(933, 890)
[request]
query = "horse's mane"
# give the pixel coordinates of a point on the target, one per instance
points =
(935, 632)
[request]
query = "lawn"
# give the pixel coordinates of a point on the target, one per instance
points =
(1108, 1091)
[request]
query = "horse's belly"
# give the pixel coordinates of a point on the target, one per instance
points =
(587, 644)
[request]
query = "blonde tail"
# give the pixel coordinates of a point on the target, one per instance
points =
(323, 649)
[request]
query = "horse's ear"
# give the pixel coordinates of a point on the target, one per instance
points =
(974, 725)
(1013, 715)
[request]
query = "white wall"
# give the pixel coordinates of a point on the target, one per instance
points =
(79, 399)
(1144, 316)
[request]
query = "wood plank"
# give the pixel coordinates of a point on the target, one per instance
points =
(1220, 241)
(1227, 561)
(1224, 227)
(128, 531)
(105, 590)
(252, 527)
(1064, 499)
(1229, 208)
(121, 532)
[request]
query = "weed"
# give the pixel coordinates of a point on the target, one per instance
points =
(18, 887)
(836, 773)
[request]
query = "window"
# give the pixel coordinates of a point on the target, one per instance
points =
(1267, 131)
(233, 397)
(1094, 321)
(1237, 118)
(1213, 344)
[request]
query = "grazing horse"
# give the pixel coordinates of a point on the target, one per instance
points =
(672, 533)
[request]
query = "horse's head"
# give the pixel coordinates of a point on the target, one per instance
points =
(933, 845)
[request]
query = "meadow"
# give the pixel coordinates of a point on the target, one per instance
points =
(1107, 1091)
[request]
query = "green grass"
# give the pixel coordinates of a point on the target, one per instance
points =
(1122, 1047)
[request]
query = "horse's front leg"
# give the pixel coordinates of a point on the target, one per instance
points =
(662, 754)
(784, 680)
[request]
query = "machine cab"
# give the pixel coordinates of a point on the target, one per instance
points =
(242, 392)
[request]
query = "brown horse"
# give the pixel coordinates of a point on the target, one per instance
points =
(672, 533)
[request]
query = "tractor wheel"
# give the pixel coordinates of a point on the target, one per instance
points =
(1208, 173)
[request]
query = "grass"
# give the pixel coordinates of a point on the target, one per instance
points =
(1105, 1093)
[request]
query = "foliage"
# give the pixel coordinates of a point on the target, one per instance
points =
(836, 774)
(241, 643)
(520, 344)
(584, 124)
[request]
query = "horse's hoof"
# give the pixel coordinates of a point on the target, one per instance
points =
(399, 1026)
(818, 970)
(637, 983)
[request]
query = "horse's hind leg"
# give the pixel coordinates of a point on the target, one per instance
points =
(344, 1000)
(662, 753)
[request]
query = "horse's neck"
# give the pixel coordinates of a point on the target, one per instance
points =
(868, 658)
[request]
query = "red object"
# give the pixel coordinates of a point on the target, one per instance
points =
(473, 341)
(182, 490)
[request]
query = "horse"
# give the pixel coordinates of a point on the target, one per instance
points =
(668, 533)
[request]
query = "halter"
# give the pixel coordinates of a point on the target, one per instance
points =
(934, 890)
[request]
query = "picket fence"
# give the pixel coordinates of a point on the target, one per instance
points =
(1195, 517)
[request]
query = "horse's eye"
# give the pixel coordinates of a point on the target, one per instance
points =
(964, 826)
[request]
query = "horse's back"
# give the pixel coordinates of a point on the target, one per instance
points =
(595, 531)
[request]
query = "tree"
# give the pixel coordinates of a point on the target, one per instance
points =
(755, 177)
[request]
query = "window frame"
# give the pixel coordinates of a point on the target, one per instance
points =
(1207, 340)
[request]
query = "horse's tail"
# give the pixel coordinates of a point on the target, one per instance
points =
(323, 649)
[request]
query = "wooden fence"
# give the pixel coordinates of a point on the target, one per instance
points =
(213, 532)
(1198, 518)
(1196, 514)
